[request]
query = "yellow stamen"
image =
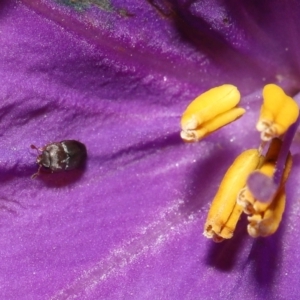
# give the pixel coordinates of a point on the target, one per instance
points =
(277, 114)
(267, 223)
(260, 207)
(224, 212)
(210, 111)
(266, 216)
(267, 167)
(245, 198)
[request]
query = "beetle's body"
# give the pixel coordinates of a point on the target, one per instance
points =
(62, 156)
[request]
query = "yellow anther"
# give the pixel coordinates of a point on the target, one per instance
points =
(277, 114)
(266, 215)
(210, 111)
(224, 212)
(246, 199)
(261, 207)
(267, 167)
(287, 169)
(267, 223)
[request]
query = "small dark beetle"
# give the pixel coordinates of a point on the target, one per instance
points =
(61, 156)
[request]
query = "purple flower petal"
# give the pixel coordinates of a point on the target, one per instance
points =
(116, 76)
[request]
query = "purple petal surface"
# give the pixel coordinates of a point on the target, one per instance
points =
(116, 76)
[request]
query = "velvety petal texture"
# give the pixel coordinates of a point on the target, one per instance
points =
(116, 75)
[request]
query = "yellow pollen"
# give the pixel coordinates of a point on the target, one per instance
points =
(246, 200)
(267, 216)
(267, 223)
(277, 114)
(224, 212)
(252, 206)
(210, 111)
(267, 167)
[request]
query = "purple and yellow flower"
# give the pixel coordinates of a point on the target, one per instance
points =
(255, 182)
(117, 75)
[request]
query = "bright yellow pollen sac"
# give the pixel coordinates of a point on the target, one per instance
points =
(246, 200)
(267, 167)
(252, 206)
(210, 111)
(267, 223)
(267, 217)
(260, 207)
(278, 112)
(224, 212)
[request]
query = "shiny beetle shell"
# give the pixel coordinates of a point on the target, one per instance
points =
(61, 156)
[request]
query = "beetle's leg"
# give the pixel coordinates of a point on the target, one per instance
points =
(37, 173)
